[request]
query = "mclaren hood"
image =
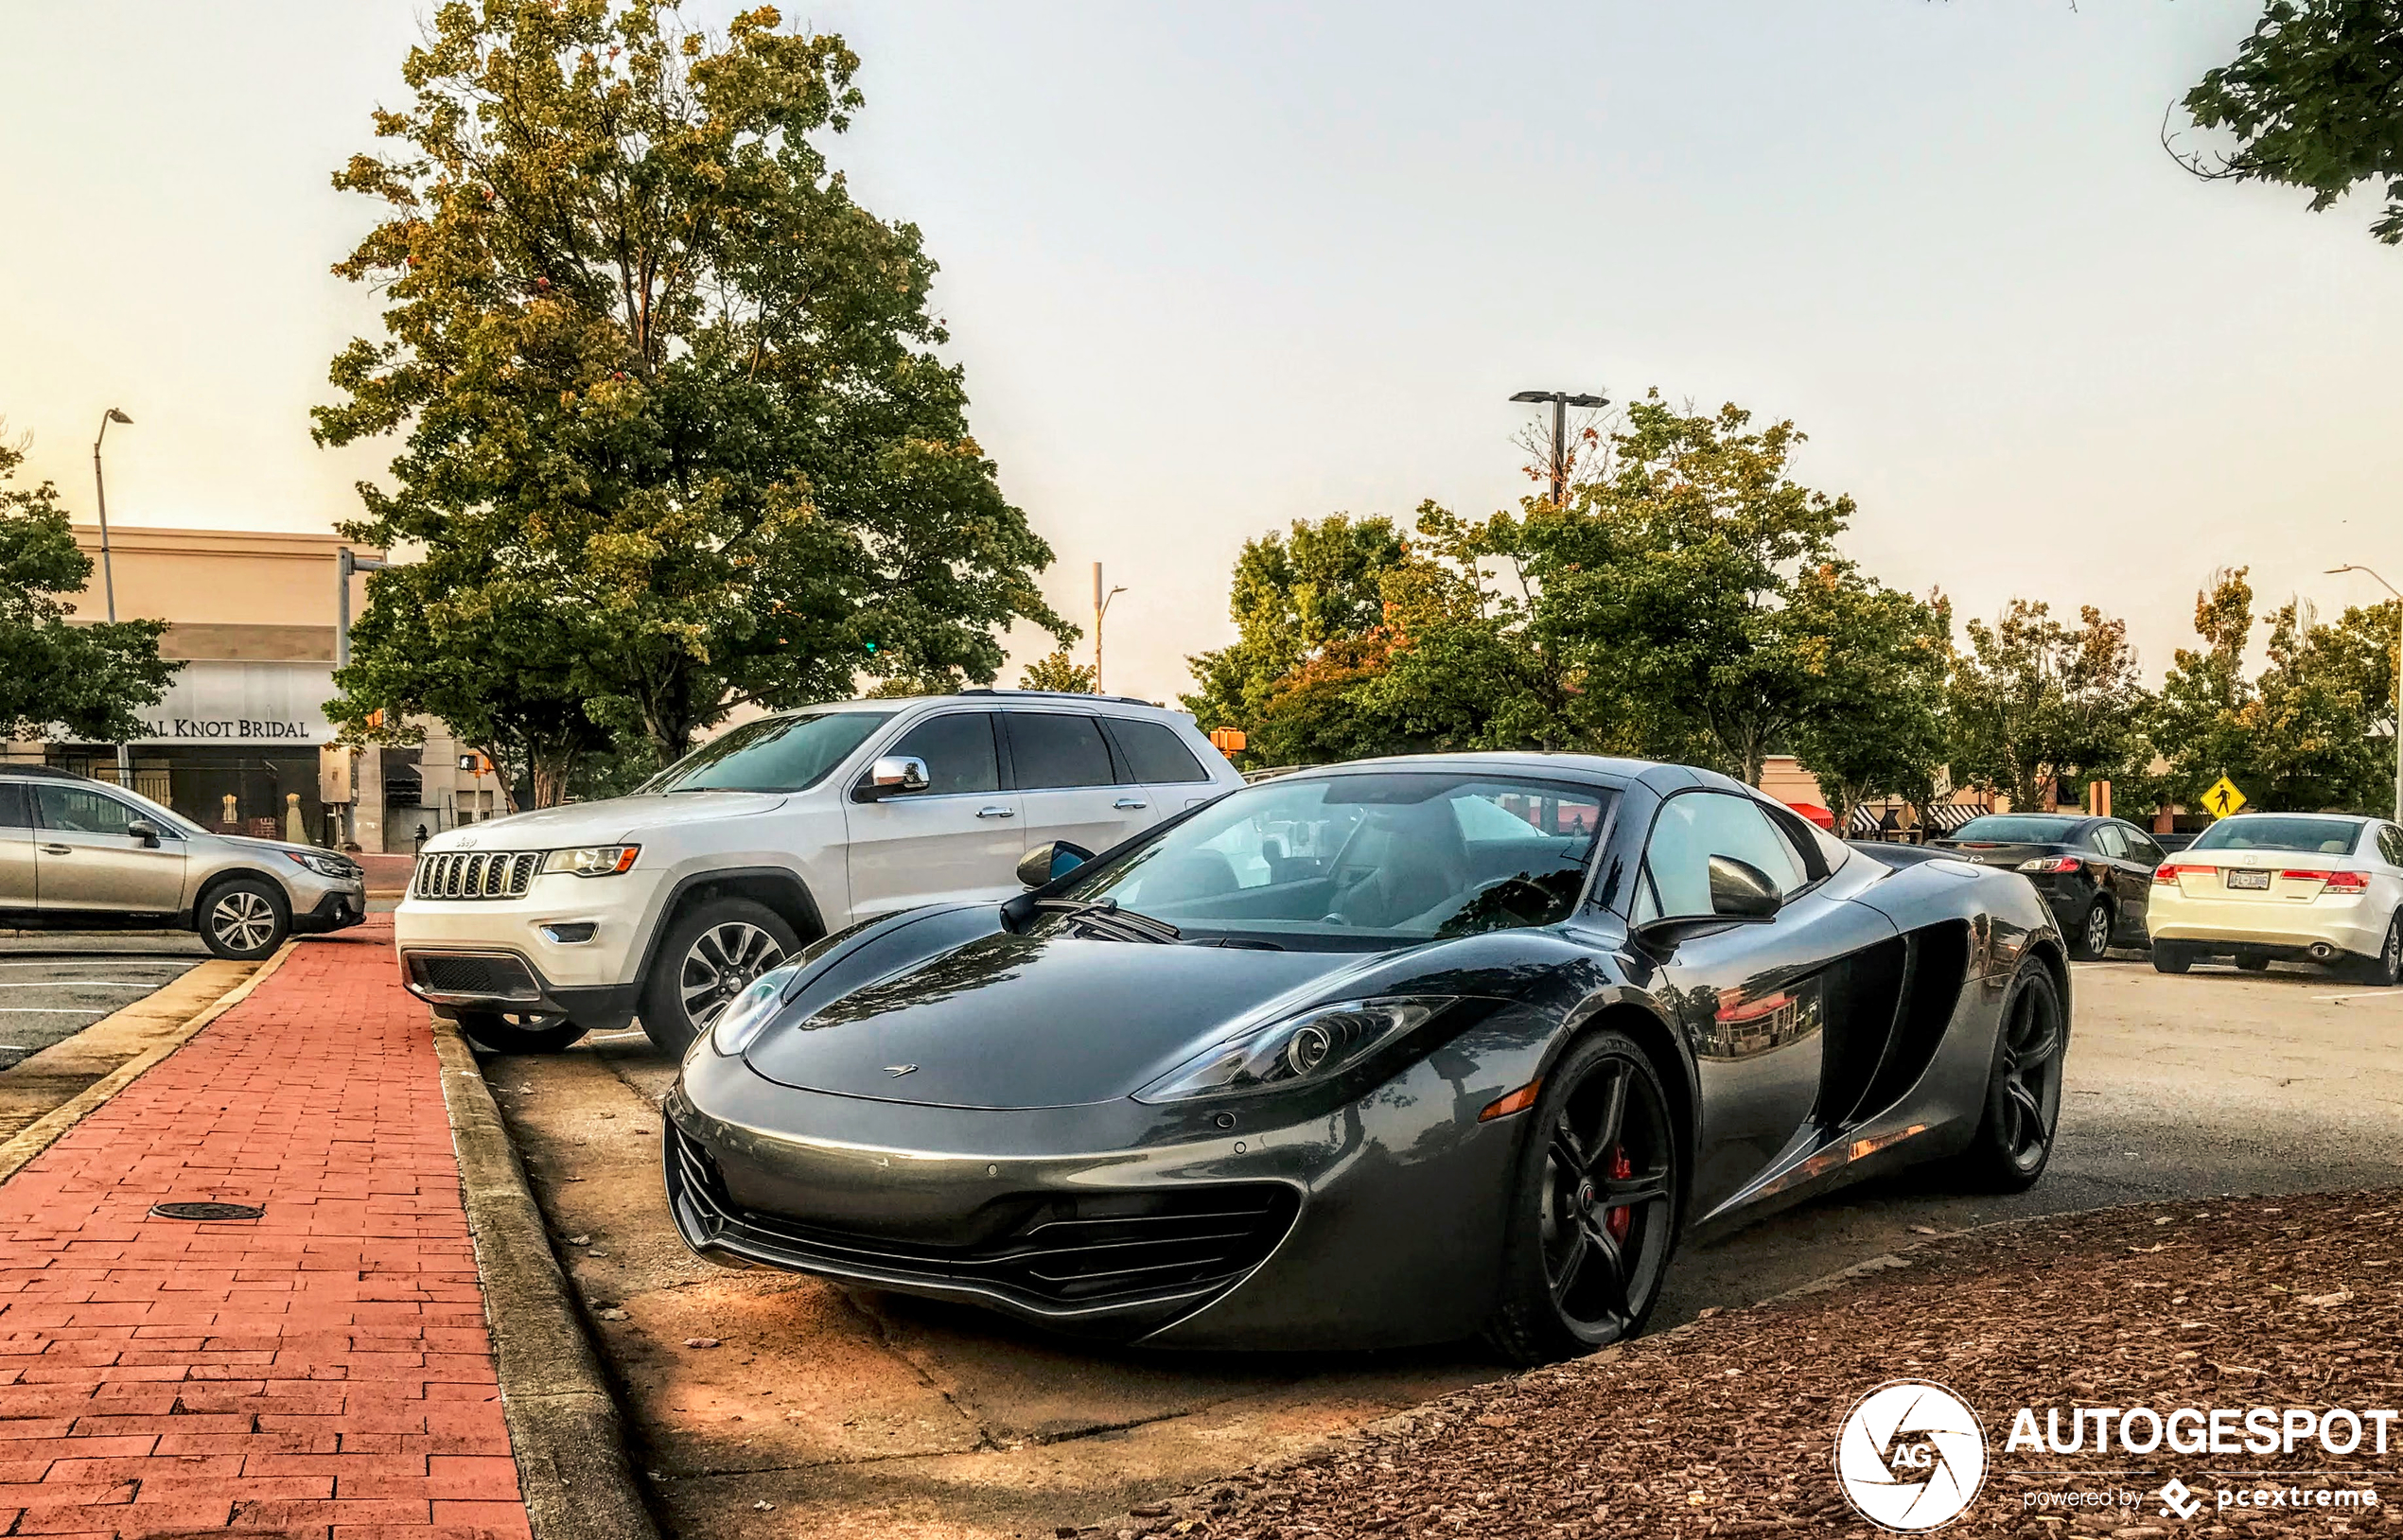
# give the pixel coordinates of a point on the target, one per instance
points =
(1003, 1021)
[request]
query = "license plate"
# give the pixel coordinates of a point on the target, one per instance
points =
(2249, 879)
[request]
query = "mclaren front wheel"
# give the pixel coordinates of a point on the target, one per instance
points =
(1593, 1213)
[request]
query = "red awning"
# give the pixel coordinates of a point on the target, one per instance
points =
(1818, 815)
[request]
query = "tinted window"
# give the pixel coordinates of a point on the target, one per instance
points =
(2391, 844)
(2011, 829)
(2140, 847)
(1049, 750)
(1694, 828)
(2110, 841)
(1154, 752)
(958, 751)
(773, 754)
(2281, 832)
(14, 811)
(74, 810)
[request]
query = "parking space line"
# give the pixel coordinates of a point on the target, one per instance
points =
(48, 1010)
(79, 983)
(2363, 995)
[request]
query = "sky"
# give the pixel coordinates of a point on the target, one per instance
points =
(1212, 269)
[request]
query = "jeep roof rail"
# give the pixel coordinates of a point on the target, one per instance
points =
(1058, 695)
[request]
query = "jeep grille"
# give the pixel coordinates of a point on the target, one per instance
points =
(476, 874)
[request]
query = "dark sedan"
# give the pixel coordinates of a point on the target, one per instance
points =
(2096, 874)
(1386, 1053)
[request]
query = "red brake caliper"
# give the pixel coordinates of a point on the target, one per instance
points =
(1619, 1220)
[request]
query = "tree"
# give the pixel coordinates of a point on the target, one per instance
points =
(1876, 726)
(1294, 594)
(494, 657)
(2037, 704)
(86, 679)
(1058, 671)
(2198, 725)
(651, 362)
(1670, 581)
(2312, 100)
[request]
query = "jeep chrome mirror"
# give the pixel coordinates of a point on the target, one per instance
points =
(895, 774)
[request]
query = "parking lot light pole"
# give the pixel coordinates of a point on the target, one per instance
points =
(1101, 607)
(2398, 677)
(108, 568)
(1561, 401)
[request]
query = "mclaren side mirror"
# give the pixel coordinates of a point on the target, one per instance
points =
(893, 776)
(1741, 894)
(1740, 890)
(1047, 862)
(144, 830)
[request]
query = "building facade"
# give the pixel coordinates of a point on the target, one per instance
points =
(241, 741)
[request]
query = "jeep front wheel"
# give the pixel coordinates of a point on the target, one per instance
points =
(710, 954)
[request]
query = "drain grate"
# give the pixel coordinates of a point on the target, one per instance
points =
(206, 1211)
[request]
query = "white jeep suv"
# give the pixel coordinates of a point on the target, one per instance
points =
(533, 930)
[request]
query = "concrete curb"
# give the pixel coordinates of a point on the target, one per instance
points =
(563, 1422)
(44, 1131)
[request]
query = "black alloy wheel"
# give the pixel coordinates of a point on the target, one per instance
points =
(2386, 970)
(2014, 1140)
(709, 955)
(244, 919)
(2093, 933)
(519, 1032)
(1594, 1217)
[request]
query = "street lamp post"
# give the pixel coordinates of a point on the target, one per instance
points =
(2398, 677)
(1101, 607)
(346, 563)
(1561, 401)
(108, 568)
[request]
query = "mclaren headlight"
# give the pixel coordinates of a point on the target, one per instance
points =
(1313, 1045)
(747, 1014)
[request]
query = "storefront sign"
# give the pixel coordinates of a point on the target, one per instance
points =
(244, 703)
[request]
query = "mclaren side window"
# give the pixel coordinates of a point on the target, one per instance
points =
(1690, 829)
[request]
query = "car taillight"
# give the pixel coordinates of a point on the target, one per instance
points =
(2337, 882)
(2169, 871)
(2052, 862)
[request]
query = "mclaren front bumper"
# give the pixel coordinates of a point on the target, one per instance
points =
(1373, 1224)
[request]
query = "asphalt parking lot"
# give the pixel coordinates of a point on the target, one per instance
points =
(775, 1404)
(55, 984)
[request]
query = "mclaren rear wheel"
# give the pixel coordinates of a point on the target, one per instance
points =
(2014, 1140)
(1594, 1212)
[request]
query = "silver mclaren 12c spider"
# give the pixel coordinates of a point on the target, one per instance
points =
(1394, 1052)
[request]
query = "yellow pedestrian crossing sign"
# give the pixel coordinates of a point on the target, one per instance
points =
(2223, 798)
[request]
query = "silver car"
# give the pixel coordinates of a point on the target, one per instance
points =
(80, 854)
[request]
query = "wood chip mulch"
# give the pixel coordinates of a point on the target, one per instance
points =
(1726, 1426)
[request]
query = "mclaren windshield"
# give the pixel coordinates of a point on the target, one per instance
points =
(1379, 857)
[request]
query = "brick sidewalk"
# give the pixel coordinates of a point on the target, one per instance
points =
(323, 1370)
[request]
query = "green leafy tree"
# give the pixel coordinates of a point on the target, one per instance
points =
(2313, 100)
(1058, 671)
(494, 656)
(649, 358)
(1876, 726)
(1294, 595)
(1667, 587)
(89, 679)
(2197, 727)
(2035, 704)
(2309, 725)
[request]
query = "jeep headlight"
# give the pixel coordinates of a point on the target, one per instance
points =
(747, 1014)
(1314, 1045)
(593, 860)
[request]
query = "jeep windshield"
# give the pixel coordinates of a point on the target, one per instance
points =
(786, 753)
